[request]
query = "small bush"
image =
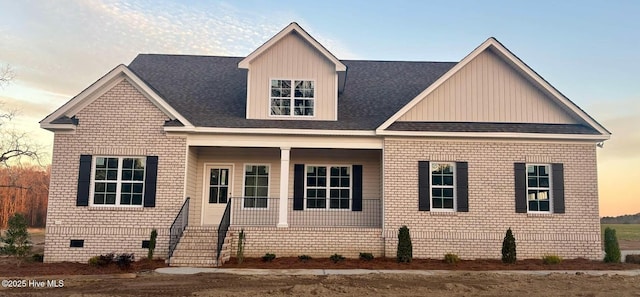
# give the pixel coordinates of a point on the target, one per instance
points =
(104, 260)
(268, 257)
(304, 258)
(93, 261)
(240, 251)
(336, 258)
(635, 259)
(551, 259)
(451, 258)
(124, 260)
(366, 256)
(15, 241)
(405, 250)
(152, 243)
(611, 247)
(37, 258)
(509, 248)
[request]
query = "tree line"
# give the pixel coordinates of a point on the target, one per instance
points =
(624, 219)
(25, 190)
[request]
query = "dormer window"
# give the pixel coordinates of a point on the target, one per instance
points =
(283, 98)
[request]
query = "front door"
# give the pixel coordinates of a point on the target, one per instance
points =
(216, 193)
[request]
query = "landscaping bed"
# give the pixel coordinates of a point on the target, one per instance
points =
(10, 267)
(425, 264)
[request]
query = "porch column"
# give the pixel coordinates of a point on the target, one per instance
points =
(284, 187)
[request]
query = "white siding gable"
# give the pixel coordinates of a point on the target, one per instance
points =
(487, 89)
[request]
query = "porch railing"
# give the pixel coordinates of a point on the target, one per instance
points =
(224, 227)
(265, 212)
(177, 228)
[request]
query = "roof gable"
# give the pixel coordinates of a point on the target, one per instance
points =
(61, 118)
(292, 28)
(496, 48)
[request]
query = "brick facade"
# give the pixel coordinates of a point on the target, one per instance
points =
(479, 232)
(121, 122)
(315, 242)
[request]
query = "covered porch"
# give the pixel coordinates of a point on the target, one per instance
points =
(284, 187)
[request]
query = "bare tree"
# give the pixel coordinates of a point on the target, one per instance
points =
(14, 144)
(6, 75)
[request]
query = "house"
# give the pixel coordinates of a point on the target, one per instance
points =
(310, 154)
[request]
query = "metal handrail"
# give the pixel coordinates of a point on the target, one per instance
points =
(223, 228)
(180, 223)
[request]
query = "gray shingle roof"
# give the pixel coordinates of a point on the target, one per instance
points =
(210, 91)
(493, 127)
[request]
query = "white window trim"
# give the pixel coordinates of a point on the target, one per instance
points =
(118, 182)
(550, 188)
(291, 106)
(328, 187)
(244, 180)
(455, 192)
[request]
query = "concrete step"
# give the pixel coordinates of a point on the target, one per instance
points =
(193, 262)
(194, 254)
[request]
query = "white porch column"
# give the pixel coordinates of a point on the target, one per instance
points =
(284, 187)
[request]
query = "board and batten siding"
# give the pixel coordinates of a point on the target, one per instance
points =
(237, 157)
(487, 89)
(369, 159)
(292, 58)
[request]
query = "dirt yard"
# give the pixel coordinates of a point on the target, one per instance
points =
(453, 284)
(141, 280)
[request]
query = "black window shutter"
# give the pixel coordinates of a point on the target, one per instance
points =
(424, 193)
(557, 172)
(520, 177)
(84, 180)
(150, 181)
(462, 186)
(298, 187)
(357, 188)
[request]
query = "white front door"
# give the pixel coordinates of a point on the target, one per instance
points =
(216, 193)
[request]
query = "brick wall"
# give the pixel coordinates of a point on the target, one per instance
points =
(479, 232)
(121, 122)
(315, 242)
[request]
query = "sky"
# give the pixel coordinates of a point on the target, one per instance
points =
(589, 50)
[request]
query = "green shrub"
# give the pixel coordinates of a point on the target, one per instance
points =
(124, 260)
(405, 250)
(336, 258)
(93, 261)
(102, 260)
(366, 256)
(304, 258)
(37, 258)
(634, 258)
(152, 243)
(611, 247)
(268, 257)
(551, 259)
(451, 258)
(16, 238)
(240, 251)
(509, 248)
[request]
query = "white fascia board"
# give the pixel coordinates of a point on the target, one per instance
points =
(285, 141)
(58, 127)
(515, 61)
(284, 32)
(510, 135)
(104, 84)
(276, 131)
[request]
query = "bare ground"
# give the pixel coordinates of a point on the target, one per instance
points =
(141, 281)
(453, 284)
